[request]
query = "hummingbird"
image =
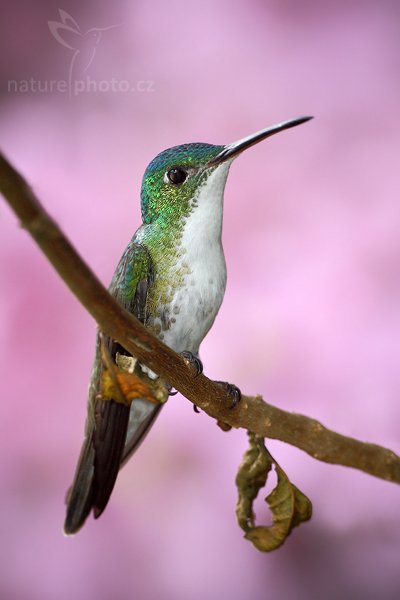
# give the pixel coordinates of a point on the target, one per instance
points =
(172, 277)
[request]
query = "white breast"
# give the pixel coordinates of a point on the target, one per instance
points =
(195, 305)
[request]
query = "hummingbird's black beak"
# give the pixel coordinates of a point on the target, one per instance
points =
(232, 150)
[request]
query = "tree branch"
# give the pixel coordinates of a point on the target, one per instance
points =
(252, 413)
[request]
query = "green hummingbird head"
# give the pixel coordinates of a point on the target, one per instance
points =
(172, 178)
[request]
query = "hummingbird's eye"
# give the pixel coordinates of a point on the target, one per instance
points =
(176, 175)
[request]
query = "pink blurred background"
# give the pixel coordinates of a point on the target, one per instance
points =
(311, 317)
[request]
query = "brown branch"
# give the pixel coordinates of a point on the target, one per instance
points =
(252, 413)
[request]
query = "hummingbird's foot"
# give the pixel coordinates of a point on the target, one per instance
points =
(196, 363)
(171, 391)
(233, 391)
(192, 361)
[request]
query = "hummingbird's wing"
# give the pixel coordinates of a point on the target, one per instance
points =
(107, 421)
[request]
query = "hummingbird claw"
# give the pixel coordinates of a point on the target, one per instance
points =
(192, 361)
(196, 409)
(233, 391)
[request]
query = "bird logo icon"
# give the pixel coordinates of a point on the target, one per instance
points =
(83, 43)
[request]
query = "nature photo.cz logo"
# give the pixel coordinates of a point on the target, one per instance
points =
(83, 46)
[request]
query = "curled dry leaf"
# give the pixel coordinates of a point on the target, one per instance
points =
(288, 505)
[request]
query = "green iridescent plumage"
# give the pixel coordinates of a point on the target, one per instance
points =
(165, 203)
(166, 207)
(133, 272)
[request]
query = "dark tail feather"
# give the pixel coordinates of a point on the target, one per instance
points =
(112, 420)
(79, 497)
(98, 464)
